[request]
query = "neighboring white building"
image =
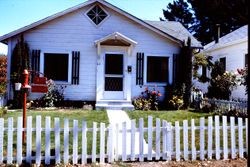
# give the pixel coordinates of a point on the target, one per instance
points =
(232, 50)
(101, 52)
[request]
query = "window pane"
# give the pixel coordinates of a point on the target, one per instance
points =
(114, 64)
(157, 69)
(97, 15)
(56, 66)
(223, 63)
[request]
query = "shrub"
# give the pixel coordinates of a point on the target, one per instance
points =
(53, 98)
(176, 102)
(243, 77)
(3, 73)
(148, 100)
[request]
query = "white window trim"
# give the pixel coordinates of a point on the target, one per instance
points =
(69, 65)
(108, 15)
(170, 71)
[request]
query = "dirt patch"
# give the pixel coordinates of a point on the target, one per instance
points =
(212, 163)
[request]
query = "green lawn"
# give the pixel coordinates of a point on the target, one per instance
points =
(170, 116)
(71, 114)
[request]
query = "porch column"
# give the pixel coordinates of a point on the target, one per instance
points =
(99, 74)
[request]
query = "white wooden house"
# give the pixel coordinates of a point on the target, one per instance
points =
(101, 52)
(232, 51)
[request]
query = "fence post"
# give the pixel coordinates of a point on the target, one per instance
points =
(10, 141)
(169, 141)
(164, 140)
(177, 141)
(110, 144)
(29, 139)
(217, 138)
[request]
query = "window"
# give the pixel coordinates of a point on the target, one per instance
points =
(56, 66)
(157, 69)
(96, 14)
(246, 60)
(223, 63)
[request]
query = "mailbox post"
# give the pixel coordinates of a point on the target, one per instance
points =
(25, 87)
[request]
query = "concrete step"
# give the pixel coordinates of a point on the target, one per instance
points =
(114, 104)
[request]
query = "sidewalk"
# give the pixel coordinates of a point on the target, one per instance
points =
(118, 117)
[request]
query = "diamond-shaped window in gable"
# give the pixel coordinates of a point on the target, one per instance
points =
(97, 15)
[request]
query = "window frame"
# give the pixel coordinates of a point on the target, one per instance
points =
(42, 63)
(97, 25)
(169, 79)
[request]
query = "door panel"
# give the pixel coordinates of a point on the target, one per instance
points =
(113, 72)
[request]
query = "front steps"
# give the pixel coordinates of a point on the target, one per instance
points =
(114, 104)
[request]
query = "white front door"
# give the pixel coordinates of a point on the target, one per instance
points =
(113, 76)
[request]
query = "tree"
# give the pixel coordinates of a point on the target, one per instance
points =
(3, 73)
(207, 14)
(19, 62)
(179, 11)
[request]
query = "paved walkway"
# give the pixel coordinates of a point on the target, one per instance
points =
(118, 117)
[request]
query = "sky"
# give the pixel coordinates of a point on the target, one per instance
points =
(16, 14)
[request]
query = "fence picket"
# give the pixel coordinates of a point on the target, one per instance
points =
(110, 146)
(217, 138)
(158, 139)
(117, 142)
(193, 147)
(57, 140)
(177, 141)
(133, 126)
(225, 138)
(29, 139)
(66, 142)
(10, 141)
(141, 138)
(47, 140)
(124, 141)
(38, 139)
(232, 129)
(185, 139)
(1, 139)
(150, 136)
(240, 134)
(19, 146)
(75, 142)
(202, 138)
(210, 138)
(169, 141)
(102, 142)
(164, 140)
(84, 142)
(94, 142)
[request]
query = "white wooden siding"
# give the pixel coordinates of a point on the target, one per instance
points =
(75, 32)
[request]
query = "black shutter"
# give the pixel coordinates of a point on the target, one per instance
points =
(35, 63)
(75, 67)
(139, 68)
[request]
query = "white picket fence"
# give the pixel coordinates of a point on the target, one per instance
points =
(214, 137)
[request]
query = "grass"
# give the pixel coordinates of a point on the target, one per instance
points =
(170, 116)
(72, 114)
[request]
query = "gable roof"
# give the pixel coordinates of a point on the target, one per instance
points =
(176, 29)
(236, 36)
(151, 26)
